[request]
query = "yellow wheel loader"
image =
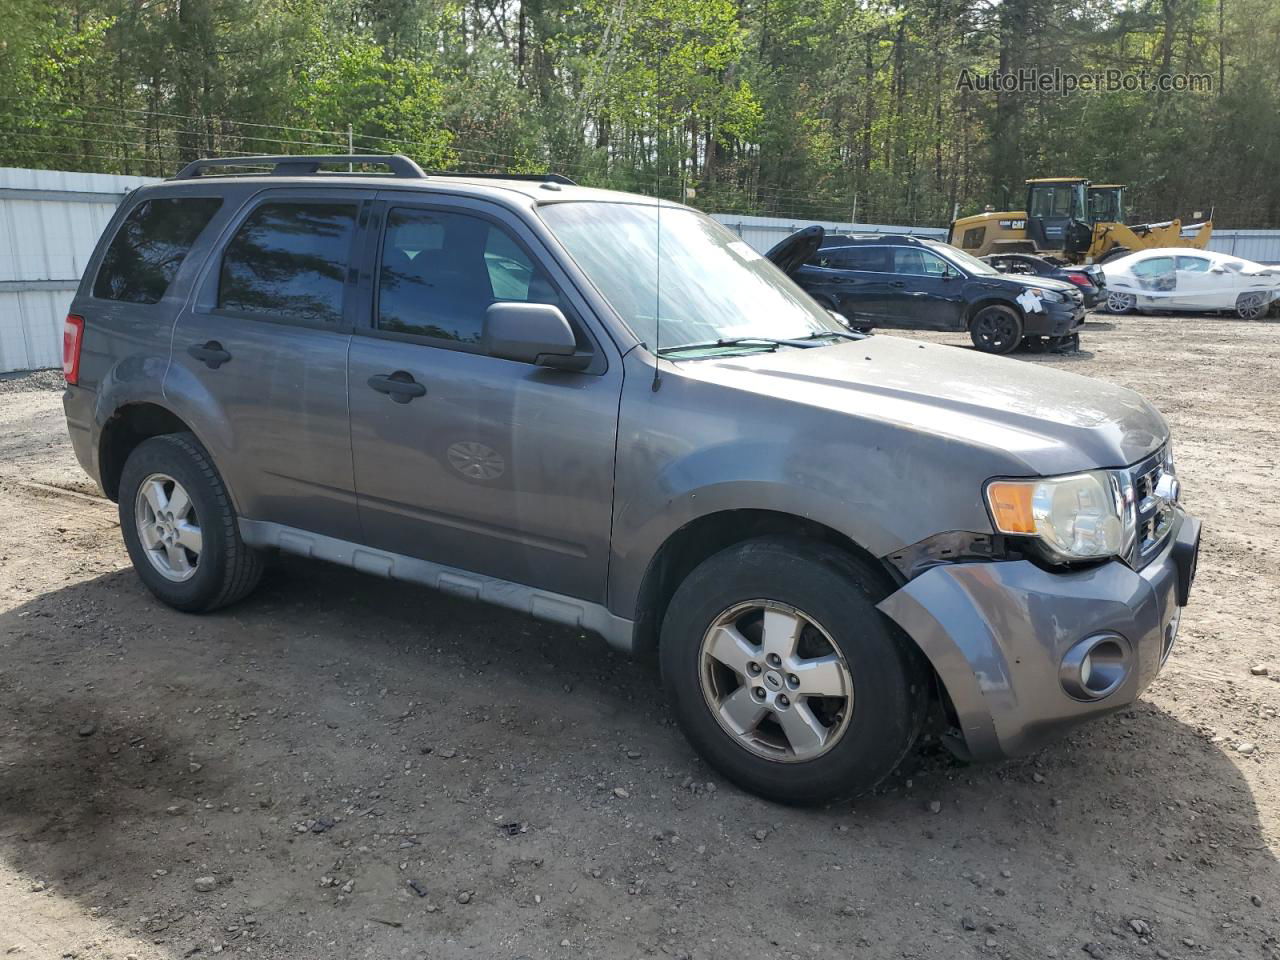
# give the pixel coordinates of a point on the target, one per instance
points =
(1071, 220)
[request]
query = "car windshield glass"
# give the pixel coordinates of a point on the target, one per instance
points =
(969, 262)
(705, 284)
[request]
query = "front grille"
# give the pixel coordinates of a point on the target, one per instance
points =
(1155, 493)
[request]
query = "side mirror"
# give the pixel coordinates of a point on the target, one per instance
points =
(535, 333)
(1217, 270)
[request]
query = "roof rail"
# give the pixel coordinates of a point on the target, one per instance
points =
(288, 166)
(531, 177)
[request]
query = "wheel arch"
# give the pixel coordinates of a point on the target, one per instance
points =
(700, 538)
(128, 426)
(979, 305)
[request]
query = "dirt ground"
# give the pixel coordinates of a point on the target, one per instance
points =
(330, 768)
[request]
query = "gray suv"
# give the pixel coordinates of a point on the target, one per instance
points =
(611, 413)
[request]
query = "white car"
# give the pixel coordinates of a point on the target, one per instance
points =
(1183, 278)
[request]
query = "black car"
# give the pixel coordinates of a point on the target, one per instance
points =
(1089, 279)
(910, 283)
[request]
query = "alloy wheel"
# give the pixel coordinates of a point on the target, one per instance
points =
(775, 681)
(168, 527)
(995, 330)
(1251, 306)
(1120, 302)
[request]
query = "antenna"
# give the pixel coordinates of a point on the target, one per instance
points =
(657, 295)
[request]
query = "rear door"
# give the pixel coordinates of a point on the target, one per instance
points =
(259, 362)
(475, 463)
(858, 281)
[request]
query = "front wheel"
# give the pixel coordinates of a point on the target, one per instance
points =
(996, 329)
(180, 528)
(785, 677)
(1250, 306)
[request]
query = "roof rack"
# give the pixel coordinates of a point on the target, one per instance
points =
(401, 167)
(530, 177)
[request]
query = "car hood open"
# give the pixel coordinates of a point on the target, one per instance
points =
(1050, 421)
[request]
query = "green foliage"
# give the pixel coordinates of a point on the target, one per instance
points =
(805, 108)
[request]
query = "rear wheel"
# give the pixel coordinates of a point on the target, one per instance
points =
(180, 528)
(996, 329)
(1250, 306)
(1121, 302)
(785, 677)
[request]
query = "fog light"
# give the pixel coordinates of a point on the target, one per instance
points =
(1095, 667)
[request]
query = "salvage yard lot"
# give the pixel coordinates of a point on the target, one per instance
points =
(318, 747)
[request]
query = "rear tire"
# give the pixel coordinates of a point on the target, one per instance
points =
(180, 528)
(857, 689)
(1121, 302)
(996, 329)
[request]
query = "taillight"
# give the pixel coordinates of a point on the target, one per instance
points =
(1079, 279)
(72, 337)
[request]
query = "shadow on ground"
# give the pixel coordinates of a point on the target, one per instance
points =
(145, 748)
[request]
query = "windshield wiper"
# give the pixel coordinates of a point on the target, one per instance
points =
(842, 334)
(767, 343)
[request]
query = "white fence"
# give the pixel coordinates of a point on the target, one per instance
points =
(50, 222)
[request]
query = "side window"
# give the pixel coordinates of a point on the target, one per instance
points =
(973, 238)
(147, 250)
(1193, 264)
(288, 261)
(442, 270)
(917, 263)
(1153, 267)
(869, 259)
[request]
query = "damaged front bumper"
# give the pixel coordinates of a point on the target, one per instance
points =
(1004, 636)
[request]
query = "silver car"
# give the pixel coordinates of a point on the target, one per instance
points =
(611, 413)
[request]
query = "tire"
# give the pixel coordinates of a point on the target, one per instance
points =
(996, 329)
(834, 596)
(1121, 302)
(1251, 306)
(223, 569)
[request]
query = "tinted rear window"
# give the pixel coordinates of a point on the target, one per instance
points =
(288, 261)
(147, 250)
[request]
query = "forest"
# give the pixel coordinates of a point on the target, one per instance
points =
(879, 112)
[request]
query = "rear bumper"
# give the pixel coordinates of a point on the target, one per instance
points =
(997, 635)
(79, 403)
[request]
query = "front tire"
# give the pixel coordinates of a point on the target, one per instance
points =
(785, 677)
(180, 528)
(1251, 306)
(996, 329)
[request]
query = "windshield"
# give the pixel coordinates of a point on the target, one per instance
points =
(966, 260)
(704, 283)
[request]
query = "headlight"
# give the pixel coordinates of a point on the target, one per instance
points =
(1048, 296)
(1085, 516)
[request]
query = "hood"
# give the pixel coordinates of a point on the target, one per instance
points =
(1048, 421)
(796, 249)
(1045, 283)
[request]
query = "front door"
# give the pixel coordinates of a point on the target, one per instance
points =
(930, 294)
(466, 460)
(260, 359)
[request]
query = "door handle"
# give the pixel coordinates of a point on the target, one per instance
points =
(210, 354)
(898, 283)
(400, 386)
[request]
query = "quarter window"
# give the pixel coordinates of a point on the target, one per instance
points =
(441, 271)
(288, 261)
(147, 250)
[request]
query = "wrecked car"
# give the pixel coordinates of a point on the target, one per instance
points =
(1187, 279)
(610, 413)
(910, 283)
